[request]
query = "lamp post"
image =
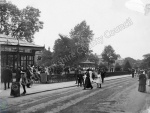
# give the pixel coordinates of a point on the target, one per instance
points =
(17, 53)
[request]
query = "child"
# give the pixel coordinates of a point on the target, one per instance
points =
(99, 80)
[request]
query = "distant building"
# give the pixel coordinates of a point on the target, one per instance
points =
(120, 61)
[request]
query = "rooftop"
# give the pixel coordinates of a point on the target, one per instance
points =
(8, 40)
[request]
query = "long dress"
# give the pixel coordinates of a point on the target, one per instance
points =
(142, 83)
(88, 82)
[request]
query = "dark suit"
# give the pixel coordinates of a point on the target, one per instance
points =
(103, 74)
(18, 75)
(6, 77)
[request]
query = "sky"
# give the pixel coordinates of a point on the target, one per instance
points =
(60, 16)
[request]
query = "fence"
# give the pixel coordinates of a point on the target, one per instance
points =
(71, 77)
(60, 78)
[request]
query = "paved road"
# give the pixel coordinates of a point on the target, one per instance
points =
(110, 98)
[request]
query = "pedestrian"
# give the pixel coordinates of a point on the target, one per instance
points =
(133, 73)
(24, 82)
(80, 79)
(142, 82)
(103, 74)
(28, 76)
(76, 75)
(99, 80)
(18, 74)
(148, 77)
(7, 76)
(88, 81)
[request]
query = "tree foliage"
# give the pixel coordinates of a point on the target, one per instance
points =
(109, 55)
(118, 67)
(145, 62)
(62, 49)
(22, 24)
(82, 35)
(102, 66)
(46, 58)
(93, 58)
(127, 66)
(71, 50)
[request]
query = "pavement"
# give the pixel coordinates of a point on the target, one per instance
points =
(39, 88)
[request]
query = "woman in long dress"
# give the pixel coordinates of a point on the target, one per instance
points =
(88, 81)
(99, 80)
(142, 82)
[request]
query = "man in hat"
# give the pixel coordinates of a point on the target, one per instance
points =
(18, 74)
(133, 73)
(6, 76)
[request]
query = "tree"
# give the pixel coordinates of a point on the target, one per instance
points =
(145, 62)
(71, 51)
(93, 58)
(102, 66)
(10, 15)
(82, 36)
(127, 66)
(62, 50)
(21, 24)
(118, 67)
(131, 60)
(109, 55)
(46, 58)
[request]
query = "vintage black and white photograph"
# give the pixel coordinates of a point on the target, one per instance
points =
(74, 56)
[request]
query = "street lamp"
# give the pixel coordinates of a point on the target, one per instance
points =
(17, 52)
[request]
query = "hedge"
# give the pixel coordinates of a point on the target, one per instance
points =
(71, 77)
(117, 73)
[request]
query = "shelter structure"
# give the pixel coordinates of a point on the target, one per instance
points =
(87, 65)
(16, 52)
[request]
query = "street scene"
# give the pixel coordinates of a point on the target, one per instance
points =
(117, 95)
(74, 56)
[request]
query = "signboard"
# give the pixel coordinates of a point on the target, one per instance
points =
(15, 49)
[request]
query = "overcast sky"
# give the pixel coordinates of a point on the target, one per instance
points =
(60, 16)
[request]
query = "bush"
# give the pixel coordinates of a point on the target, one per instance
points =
(108, 74)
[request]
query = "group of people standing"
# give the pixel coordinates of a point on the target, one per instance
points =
(87, 78)
(22, 77)
(27, 77)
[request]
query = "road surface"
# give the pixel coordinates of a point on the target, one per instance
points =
(115, 96)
